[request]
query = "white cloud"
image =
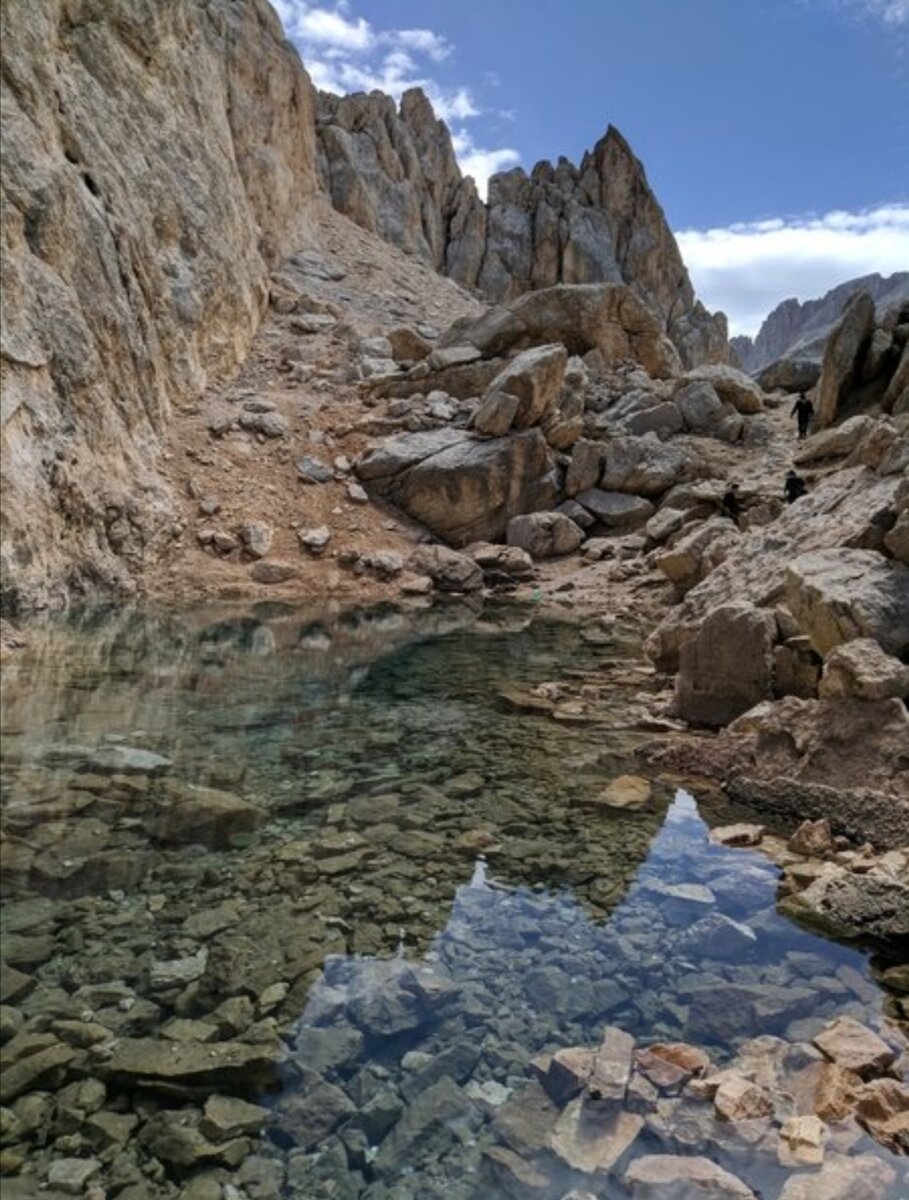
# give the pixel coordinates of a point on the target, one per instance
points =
(891, 12)
(325, 28)
(425, 41)
(747, 269)
(345, 53)
(480, 163)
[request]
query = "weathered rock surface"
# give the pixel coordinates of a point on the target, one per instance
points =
(861, 669)
(182, 814)
(730, 385)
(676, 1177)
(234, 1066)
(616, 510)
(137, 240)
(449, 570)
(463, 488)
(843, 355)
(545, 534)
(727, 667)
(846, 904)
(841, 1178)
(798, 758)
(533, 378)
(848, 509)
(836, 441)
(607, 317)
(838, 595)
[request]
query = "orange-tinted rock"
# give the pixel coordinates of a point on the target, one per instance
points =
(855, 1047)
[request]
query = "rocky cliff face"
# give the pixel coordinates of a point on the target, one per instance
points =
(805, 327)
(394, 172)
(157, 158)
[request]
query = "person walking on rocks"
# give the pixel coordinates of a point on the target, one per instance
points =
(803, 410)
(794, 486)
(731, 504)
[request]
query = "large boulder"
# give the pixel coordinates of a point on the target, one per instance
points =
(835, 442)
(449, 570)
(838, 595)
(545, 534)
(896, 397)
(607, 317)
(731, 385)
(843, 356)
(860, 668)
(462, 487)
(533, 378)
(644, 465)
(181, 813)
(727, 667)
(795, 374)
(585, 469)
(847, 905)
(700, 407)
(695, 554)
(617, 510)
(851, 508)
(833, 758)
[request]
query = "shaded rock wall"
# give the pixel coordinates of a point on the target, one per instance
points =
(394, 172)
(157, 157)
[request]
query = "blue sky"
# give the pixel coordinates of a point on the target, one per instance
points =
(775, 133)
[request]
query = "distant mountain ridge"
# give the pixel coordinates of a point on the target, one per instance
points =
(805, 326)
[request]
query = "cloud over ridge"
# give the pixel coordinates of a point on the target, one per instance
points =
(747, 268)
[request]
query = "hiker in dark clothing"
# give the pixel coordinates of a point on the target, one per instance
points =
(794, 487)
(731, 504)
(803, 409)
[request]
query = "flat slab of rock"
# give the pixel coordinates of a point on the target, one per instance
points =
(741, 834)
(626, 791)
(273, 571)
(233, 1066)
(838, 595)
(590, 1142)
(679, 1177)
(859, 1178)
(617, 510)
(533, 377)
(183, 814)
(855, 1047)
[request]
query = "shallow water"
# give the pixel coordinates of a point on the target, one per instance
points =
(203, 810)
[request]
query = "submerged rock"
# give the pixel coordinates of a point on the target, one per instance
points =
(236, 1066)
(675, 1177)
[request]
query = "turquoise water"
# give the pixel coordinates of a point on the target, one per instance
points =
(370, 845)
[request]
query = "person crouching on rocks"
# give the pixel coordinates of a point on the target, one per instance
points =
(794, 486)
(731, 504)
(803, 410)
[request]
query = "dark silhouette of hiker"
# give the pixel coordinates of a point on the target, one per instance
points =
(803, 409)
(731, 504)
(794, 487)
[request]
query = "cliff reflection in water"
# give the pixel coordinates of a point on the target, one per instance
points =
(202, 810)
(436, 1061)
